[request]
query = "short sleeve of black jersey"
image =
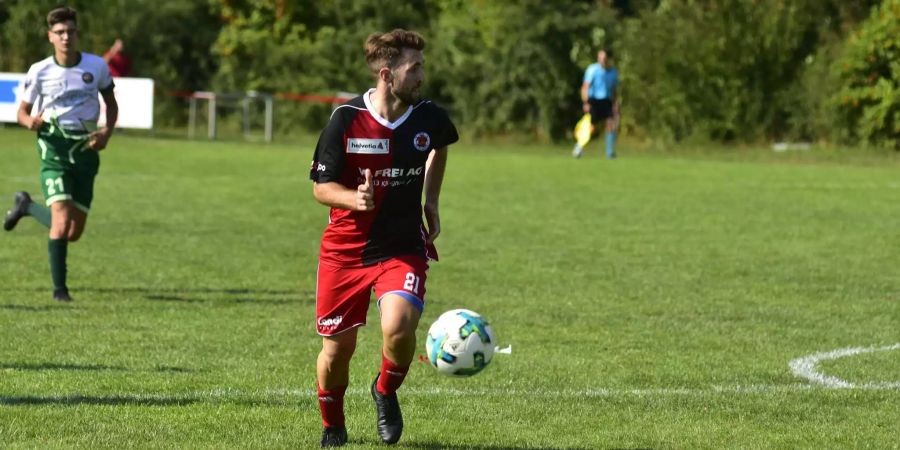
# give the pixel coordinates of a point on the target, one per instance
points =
(328, 160)
(448, 134)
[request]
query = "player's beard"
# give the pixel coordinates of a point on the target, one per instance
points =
(410, 97)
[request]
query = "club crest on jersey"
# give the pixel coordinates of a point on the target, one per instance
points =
(87, 77)
(422, 141)
(369, 146)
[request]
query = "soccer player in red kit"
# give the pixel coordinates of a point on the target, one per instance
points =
(375, 157)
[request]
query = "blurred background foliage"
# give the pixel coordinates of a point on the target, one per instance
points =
(705, 70)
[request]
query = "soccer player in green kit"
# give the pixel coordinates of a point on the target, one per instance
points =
(66, 86)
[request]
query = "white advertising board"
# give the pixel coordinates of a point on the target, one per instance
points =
(134, 96)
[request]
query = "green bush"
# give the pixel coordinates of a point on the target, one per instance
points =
(515, 67)
(717, 69)
(869, 99)
(721, 70)
(809, 115)
(304, 47)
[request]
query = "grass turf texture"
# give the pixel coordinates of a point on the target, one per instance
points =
(652, 301)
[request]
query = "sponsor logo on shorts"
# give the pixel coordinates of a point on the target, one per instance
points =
(369, 146)
(331, 321)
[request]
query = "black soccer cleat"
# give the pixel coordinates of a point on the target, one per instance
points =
(390, 420)
(18, 211)
(62, 295)
(334, 437)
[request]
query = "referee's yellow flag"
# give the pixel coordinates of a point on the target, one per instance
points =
(583, 130)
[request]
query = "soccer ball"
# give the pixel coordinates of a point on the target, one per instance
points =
(460, 343)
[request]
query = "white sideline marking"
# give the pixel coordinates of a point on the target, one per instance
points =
(805, 367)
(296, 394)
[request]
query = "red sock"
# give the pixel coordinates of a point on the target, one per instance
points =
(391, 377)
(331, 405)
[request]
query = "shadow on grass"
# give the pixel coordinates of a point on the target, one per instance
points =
(113, 400)
(173, 369)
(151, 400)
(188, 299)
(254, 296)
(183, 295)
(53, 307)
(60, 366)
(173, 298)
(156, 290)
(89, 367)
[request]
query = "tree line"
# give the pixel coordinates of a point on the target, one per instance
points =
(720, 70)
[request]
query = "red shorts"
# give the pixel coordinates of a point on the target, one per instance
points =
(343, 293)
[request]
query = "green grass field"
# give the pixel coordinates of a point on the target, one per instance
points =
(653, 301)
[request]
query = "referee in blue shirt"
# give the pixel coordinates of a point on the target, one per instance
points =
(598, 95)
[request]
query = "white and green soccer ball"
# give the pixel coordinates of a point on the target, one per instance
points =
(460, 343)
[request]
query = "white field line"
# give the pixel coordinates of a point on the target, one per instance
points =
(298, 394)
(806, 367)
(575, 393)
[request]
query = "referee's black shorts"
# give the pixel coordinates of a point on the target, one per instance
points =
(601, 109)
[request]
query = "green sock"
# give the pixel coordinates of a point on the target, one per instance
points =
(58, 249)
(40, 213)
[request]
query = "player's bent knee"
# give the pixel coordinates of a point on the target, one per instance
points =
(60, 222)
(59, 230)
(399, 334)
(399, 330)
(76, 230)
(332, 358)
(341, 346)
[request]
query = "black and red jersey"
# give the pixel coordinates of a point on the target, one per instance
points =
(355, 139)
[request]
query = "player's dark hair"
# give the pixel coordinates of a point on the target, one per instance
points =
(384, 49)
(60, 15)
(608, 51)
